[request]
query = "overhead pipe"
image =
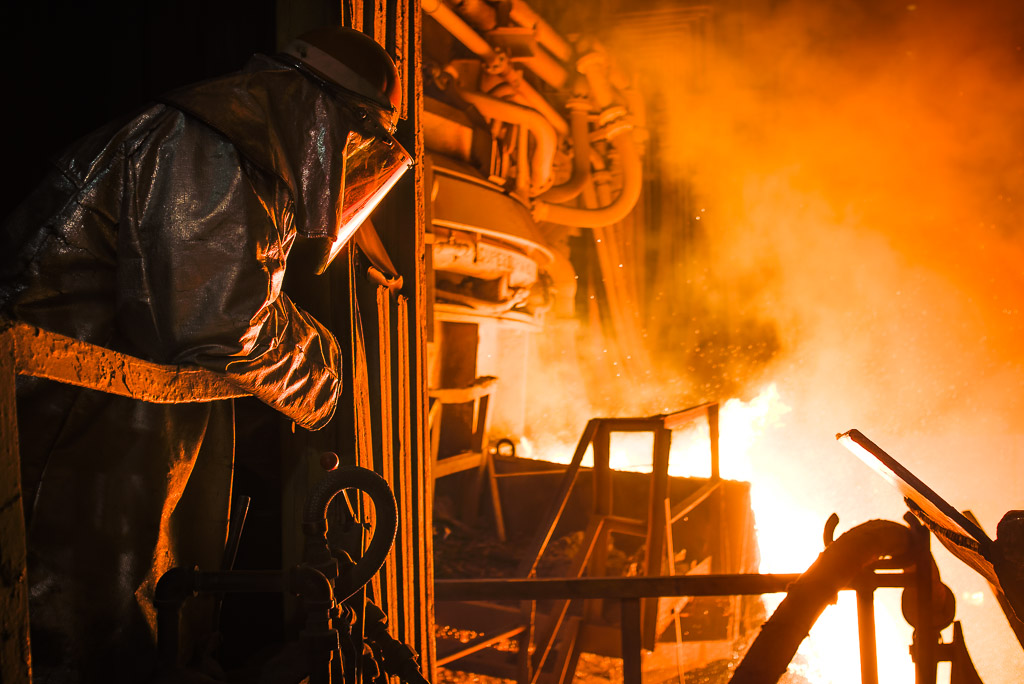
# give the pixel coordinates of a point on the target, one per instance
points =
(546, 67)
(502, 72)
(495, 61)
(607, 82)
(524, 15)
(619, 208)
(483, 17)
(457, 26)
(837, 567)
(530, 120)
(579, 124)
(594, 65)
(619, 131)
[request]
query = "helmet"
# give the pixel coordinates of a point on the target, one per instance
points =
(352, 60)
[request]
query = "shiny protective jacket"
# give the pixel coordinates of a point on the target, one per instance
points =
(165, 237)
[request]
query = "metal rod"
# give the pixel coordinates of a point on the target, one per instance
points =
(540, 541)
(479, 645)
(655, 543)
(611, 587)
(866, 632)
(713, 435)
(738, 584)
(561, 609)
(630, 626)
(686, 506)
(925, 634)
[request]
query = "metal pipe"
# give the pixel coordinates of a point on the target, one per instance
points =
(546, 67)
(480, 14)
(837, 566)
(524, 15)
(563, 277)
(530, 119)
(495, 61)
(462, 31)
(502, 73)
(579, 116)
(618, 209)
(594, 65)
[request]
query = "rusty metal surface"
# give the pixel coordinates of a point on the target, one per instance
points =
(45, 354)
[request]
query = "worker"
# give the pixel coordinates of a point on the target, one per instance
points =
(166, 237)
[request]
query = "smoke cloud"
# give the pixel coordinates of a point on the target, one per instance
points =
(858, 173)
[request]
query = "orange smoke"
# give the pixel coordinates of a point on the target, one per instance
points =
(859, 173)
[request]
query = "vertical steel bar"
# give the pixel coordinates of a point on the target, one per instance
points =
(540, 541)
(15, 658)
(499, 515)
(670, 557)
(656, 522)
(556, 616)
(525, 639)
(630, 626)
(866, 632)
(602, 507)
(390, 598)
(925, 634)
(713, 435)
(410, 581)
(602, 471)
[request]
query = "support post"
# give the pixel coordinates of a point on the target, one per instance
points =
(631, 656)
(866, 633)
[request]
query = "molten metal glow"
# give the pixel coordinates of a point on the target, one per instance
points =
(755, 445)
(790, 538)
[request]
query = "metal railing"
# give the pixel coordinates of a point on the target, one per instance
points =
(908, 564)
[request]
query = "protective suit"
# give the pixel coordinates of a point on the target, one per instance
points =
(166, 237)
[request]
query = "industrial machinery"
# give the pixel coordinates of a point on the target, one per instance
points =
(532, 139)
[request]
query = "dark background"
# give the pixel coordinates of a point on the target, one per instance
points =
(70, 66)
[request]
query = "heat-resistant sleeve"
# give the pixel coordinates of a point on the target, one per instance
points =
(202, 251)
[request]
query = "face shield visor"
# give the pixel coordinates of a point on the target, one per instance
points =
(373, 163)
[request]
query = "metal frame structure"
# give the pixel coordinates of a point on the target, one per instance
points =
(478, 457)
(912, 569)
(537, 632)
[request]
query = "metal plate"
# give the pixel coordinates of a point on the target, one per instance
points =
(937, 508)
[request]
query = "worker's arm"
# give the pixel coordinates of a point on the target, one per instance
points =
(202, 253)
